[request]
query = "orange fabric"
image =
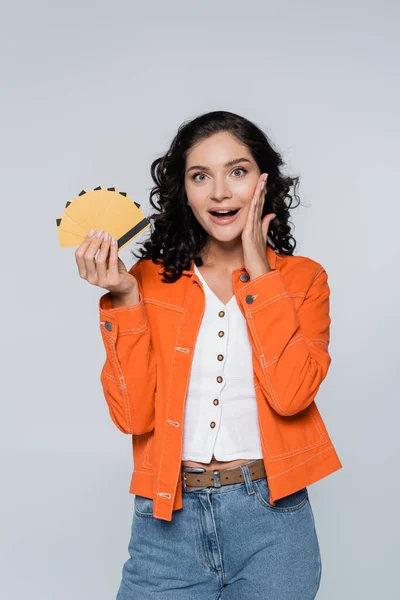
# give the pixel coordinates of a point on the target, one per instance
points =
(149, 349)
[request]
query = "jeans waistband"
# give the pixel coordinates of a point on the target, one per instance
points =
(247, 480)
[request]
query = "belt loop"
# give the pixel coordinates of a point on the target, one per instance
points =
(217, 479)
(248, 480)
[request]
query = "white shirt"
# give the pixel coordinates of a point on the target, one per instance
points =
(221, 416)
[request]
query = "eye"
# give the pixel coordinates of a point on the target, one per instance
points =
(195, 175)
(200, 173)
(240, 169)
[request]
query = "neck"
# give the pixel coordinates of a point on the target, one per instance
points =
(224, 255)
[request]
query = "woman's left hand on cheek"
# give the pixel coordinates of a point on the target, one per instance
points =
(255, 231)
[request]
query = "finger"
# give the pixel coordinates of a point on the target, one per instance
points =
(257, 193)
(258, 203)
(80, 252)
(101, 259)
(250, 214)
(263, 186)
(263, 195)
(262, 200)
(265, 226)
(267, 222)
(259, 216)
(90, 265)
(113, 261)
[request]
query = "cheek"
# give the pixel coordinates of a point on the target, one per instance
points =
(196, 202)
(246, 208)
(196, 208)
(197, 194)
(245, 197)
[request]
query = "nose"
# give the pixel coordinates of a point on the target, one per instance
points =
(220, 189)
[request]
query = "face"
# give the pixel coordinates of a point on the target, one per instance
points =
(211, 184)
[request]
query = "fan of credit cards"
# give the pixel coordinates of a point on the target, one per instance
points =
(101, 208)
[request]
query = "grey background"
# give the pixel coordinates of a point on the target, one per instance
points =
(91, 93)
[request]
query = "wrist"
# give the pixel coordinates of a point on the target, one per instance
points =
(128, 298)
(258, 272)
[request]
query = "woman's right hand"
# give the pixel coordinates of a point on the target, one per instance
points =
(106, 270)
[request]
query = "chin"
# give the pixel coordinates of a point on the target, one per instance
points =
(225, 237)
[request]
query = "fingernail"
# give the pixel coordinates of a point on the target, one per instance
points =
(91, 232)
(98, 234)
(106, 236)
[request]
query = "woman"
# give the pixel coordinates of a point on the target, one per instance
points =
(213, 361)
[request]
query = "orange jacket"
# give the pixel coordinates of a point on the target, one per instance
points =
(149, 350)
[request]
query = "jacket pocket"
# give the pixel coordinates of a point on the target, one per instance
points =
(142, 451)
(283, 437)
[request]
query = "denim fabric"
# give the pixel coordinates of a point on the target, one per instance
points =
(226, 543)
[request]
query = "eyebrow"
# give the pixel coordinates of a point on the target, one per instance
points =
(231, 163)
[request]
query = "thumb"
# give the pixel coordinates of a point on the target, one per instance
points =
(121, 267)
(265, 223)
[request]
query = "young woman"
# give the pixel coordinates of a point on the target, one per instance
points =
(216, 345)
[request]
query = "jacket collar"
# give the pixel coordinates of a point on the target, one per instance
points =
(270, 253)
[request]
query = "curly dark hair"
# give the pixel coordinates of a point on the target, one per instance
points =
(178, 237)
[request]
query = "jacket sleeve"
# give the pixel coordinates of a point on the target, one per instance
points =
(292, 357)
(128, 377)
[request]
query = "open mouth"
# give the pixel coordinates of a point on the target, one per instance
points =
(226, 214)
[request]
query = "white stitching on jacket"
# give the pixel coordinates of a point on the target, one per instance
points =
(169, 391)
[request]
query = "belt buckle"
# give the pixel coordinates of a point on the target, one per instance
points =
(217, 478)
(190, 470)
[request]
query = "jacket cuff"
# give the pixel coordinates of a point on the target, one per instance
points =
(122, 319)
(264, 289)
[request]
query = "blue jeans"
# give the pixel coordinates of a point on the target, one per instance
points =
(226, 543)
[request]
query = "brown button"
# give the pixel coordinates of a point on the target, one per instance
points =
(219, 378)
(221, 313)
(212, 424)
(244, 277)
(220, 357)
(221, 333)
(216, 401)
(249, 299)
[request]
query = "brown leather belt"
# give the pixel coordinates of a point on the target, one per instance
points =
(199, 477)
